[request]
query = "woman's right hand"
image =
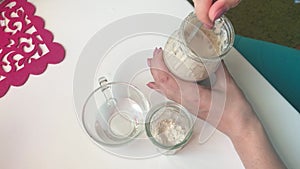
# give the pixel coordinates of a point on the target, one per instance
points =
(208, 11)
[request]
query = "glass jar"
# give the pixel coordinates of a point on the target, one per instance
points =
(113, 114)
(193, 52)
(169, 126)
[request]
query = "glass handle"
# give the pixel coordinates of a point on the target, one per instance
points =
(102, 82)
(107, 91)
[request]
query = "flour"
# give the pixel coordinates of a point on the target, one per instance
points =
(168, 133)
(192, 52)
(180, 59)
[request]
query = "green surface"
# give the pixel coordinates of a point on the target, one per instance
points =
(276, 21)
(272, 62)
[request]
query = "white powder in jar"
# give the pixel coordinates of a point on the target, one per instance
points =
(193, 52)
(179, 60)
(168, 133)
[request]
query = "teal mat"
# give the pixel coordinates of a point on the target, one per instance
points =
(280, 65)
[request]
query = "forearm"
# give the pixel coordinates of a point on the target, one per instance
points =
(255, 149)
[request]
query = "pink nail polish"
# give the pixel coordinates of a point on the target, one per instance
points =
(159, 50)
(208, 26)
(154, 52)
(150, 85)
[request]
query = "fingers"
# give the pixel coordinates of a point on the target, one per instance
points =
(156, 51)
(218, 9)
(154, 86)
(156, 68)
(157, 60)
(188, 94)
(208, 11)
(164, 82)
(202, 8)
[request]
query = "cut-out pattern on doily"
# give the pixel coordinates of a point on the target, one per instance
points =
(26, 47)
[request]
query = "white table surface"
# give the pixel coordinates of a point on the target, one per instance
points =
(39, 127)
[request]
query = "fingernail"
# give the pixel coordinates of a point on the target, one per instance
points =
(149, 62)
(159, 50)
(150, 85)
(208, 26)
(155, 51)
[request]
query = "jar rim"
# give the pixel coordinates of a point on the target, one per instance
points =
(229, 29)
(155, 109)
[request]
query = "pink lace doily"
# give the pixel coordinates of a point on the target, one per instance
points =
(26, 47)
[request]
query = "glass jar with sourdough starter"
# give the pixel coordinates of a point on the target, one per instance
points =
(193, 52)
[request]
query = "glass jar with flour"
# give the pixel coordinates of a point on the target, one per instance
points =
(193, 52)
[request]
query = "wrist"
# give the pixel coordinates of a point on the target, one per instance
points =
(247, 130)
(244, 127)
(252, 144)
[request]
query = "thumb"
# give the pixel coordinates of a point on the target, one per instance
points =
(201, 9)
(218, 9)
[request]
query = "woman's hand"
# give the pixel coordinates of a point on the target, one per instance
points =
(166, 83)
(208, 11)
(237, 118)
(224, 97)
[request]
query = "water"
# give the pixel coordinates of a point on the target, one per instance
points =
(119, 120)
